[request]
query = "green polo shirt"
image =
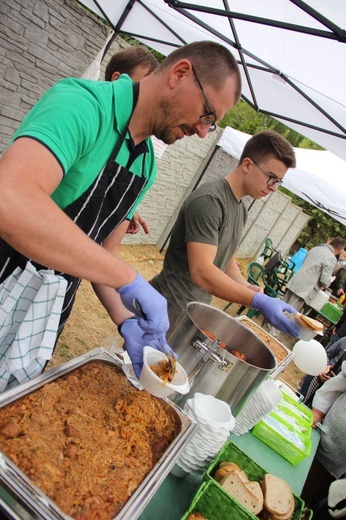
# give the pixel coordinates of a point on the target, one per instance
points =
(79, 121)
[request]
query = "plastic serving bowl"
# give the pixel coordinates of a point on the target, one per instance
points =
(156, 386)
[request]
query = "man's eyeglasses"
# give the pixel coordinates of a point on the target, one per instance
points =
(272, 179)
(210, 117)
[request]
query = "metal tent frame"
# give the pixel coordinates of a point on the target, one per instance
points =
(317, 113)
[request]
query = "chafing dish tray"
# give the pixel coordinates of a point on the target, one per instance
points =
(282, 354)
(22, 499)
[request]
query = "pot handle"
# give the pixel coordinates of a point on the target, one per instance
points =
(203, 360)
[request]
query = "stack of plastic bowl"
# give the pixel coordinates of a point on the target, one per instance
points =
(260, 403)
(215, 421)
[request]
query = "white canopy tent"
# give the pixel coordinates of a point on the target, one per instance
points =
(292, 53)
(319, 177)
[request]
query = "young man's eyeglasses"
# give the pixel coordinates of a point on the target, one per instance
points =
(272, 179)
(210, 117)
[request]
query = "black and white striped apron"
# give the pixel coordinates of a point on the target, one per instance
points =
(98, 211)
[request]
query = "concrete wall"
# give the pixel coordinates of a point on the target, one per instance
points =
(275, 216)
(43, 41)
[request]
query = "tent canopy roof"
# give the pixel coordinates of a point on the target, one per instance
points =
(291, 53)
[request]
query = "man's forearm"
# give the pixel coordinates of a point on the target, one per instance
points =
(234, 272)
(36, 227)
(111, 301)
(219, 284)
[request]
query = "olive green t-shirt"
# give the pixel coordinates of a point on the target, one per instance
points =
(210, 215)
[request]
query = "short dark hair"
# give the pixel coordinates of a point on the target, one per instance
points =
(126, 60)
(212, 62)
(269, 143)
(338, 243)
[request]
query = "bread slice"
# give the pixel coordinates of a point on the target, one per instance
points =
(231, 466)
(278, 497)
(242, 475)
(256, 489)
(237, 489)
(288, 516)
(220, 474)
(308, 322)
(226, 468)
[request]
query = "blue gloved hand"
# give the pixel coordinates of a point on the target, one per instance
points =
(272, 309)
(135, 341)
(148, 306)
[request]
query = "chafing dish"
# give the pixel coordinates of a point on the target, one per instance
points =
(21, 499)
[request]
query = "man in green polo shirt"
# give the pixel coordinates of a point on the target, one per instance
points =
(81, 162)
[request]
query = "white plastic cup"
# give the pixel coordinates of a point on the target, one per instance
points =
(305, 333)
(178, 471)
(213, 412)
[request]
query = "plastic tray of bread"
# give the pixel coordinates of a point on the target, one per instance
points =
(82, 440)
(234, 486)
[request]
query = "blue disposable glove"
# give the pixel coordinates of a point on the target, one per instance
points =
(134, 342)
(148, 306)
(272, 309)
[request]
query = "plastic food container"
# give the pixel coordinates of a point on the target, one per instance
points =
(156, 386)
(319, 300)
(332, 312)
(280, 443)
(305, 333)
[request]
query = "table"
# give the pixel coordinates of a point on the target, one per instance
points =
(173, 497)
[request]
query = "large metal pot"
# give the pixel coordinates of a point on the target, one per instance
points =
(212, 369)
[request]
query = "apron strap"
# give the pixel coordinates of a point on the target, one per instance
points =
(120, 141)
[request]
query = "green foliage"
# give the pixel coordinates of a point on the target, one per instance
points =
(319, 227)
(307, 143)
(245, 119)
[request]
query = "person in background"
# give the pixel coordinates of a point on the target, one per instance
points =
(338, 286)
(334, 504)
(335, 356)
(329, 464)
(81, 162)
(200, 260)
(339, 331)
(314, 274)
(137, 62)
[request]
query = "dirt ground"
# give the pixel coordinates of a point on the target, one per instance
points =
(89, 325)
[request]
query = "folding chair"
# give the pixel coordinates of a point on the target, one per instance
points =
(254, 272)
(286, 269)
(274, 280)
(268, 250)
